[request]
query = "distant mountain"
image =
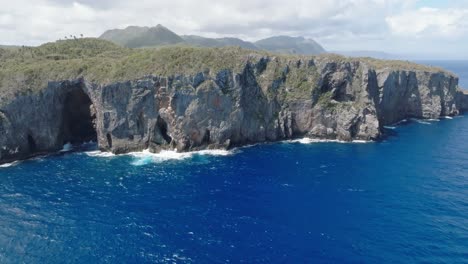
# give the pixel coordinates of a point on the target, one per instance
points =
(123, 36)
(290, 45)
(201, 41)
(218, 42)
(138, 37)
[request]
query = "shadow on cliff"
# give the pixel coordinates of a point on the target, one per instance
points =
(401, 99)
(78, 117)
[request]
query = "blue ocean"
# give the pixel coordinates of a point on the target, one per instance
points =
(401, 200)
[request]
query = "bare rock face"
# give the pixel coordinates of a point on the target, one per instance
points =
(41, 122)
(315, 98)
(416, 94)
(462, 100)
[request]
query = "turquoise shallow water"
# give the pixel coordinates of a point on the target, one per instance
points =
(402, 200)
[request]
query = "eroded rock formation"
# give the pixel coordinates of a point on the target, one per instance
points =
(264, 101)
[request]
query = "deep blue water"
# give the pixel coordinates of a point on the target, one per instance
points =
(402, 200)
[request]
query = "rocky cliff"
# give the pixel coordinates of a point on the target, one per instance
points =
(263, 98)
(462, 100)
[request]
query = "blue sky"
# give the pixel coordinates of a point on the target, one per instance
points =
(425, 28)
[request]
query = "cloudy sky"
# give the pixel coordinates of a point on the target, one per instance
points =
(431, 28)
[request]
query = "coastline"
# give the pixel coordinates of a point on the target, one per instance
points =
(167, 155)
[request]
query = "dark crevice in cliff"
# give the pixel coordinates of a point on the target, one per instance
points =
(206, 138)
(78, 117)
(32, 144)
(162, 126)
(140, 124)
(109, 140)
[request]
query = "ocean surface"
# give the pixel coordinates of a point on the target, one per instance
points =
(401, 200)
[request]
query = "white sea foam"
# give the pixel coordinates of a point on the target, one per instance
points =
(146, 157)
(67, 147)
(390, 127)
(101, 154)
(400, 122)
(317, 140)
(6, 165)
(215, 152)
(446, 117)
(420, 121)
(360, 141)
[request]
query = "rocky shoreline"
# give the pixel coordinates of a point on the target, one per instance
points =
(265, 100)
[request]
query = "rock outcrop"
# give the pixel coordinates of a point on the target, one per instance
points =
(462, 100)
(266, 100)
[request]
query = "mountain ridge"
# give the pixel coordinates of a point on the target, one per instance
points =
(141, 37)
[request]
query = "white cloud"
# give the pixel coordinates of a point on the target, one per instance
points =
(338, 24)
(430, 22)
(47, 20)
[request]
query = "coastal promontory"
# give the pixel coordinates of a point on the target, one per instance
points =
(192, 98)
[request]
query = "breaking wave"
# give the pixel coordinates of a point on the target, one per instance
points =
(317, 140)
(400, 122)
(420, 121)
(146, 157)
(11, 164)
(67, 147)
(100, 154)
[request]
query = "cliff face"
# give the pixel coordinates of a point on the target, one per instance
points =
(267, 100)
(462, 100)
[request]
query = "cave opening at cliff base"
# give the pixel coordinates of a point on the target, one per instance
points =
(78, 117)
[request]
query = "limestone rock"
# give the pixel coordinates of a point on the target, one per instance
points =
(316, 98)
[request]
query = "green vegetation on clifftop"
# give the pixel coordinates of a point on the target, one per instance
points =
(102, 62)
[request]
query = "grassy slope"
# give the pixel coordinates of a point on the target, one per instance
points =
(137, 37)
(29, 69)
(290, 45)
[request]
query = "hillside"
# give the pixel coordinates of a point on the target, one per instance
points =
(101, 61)
(368, 53)
(290, 45)
(139, 37)
(218, 42)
